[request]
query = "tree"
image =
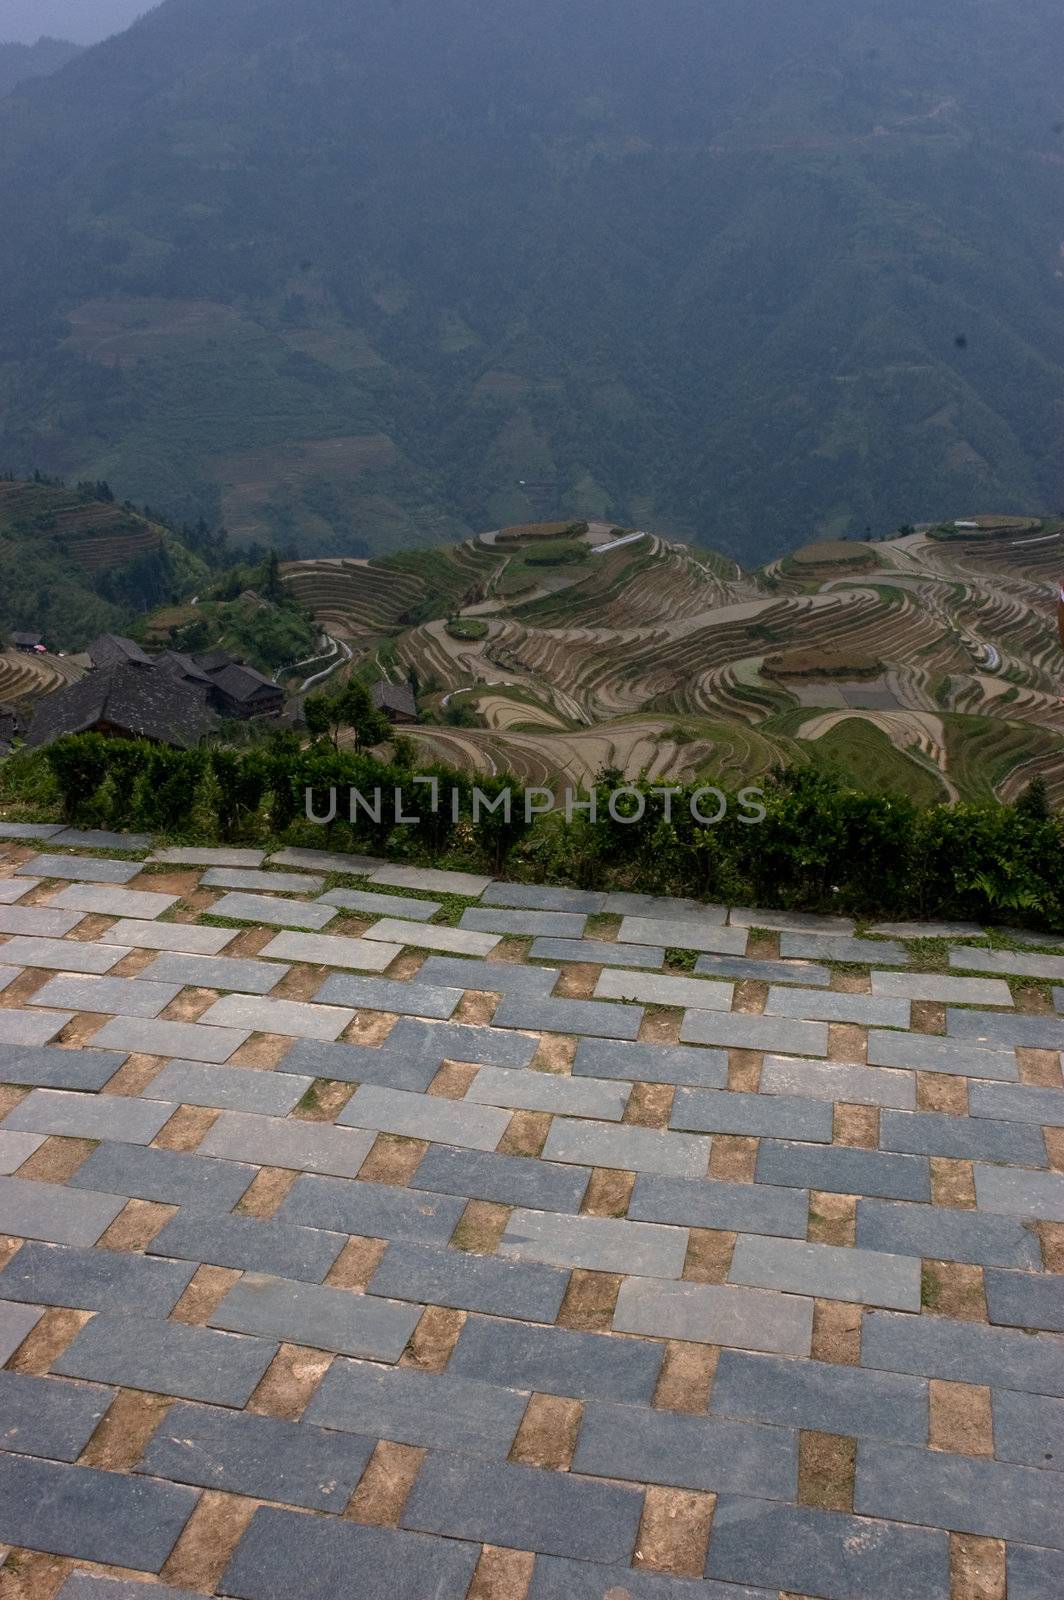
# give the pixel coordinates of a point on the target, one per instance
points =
(351, 707)
(272, 584)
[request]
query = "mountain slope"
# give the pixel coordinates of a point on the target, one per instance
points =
(21, 61)
(359, 276)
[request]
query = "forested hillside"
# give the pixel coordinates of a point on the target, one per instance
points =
(21, 61)
(354, 277)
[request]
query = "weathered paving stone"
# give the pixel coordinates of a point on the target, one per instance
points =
(69, 955)
(1011, 1192)
(555, 1578)
(49, 1416)
(962, 1352)
(602, 1244)
(929, 930)
(55, 1213)
(386, 994)
(425, 1117)
(452, 941)
(455, 1041)
(549, 1091)
(1013, 963)
(371, 1210)
(31, 1027)
(817, 1395)
(241, 1453)
(683, 935)
(53, 1068)
(284, 1142)
(261, 1014)
(431, 880)
(1034, 1574)
(140, 904)
(250, 1244)
(828, 1006)
(941, 986)
(16, 1324)
(318, 1316)
(1015, 1103)
(437, 1410)
(171, 1177)
(12, 889)
(8, 976)
(15, 1148)
(1028, 1429)
(261, 882)
(524, 1508)
(631, 1148)
(651, 1063)
(182, 936)
(592, 1017)
(38, 921)
(940, 1234)
(208, 856)
(192, 1083)
(663, 989)
(286, 1553)
(841, 1170)
(542, 897)
(708, 1203)
(331, 950)
(327, 861)
(828, 1272)
(779, 1116)
(102, 839)
(486, 919)
(964, 1138)
(78, 869)
(711, 1313)
(30, 830)
(382, 905)
(210, 972)
(959, 1492)
(825, 1553)
(273, 912)
(167, 1358)
(508, 1180)
(837, 947)
(742, 967)
(1014, 1299)
(922, 1052)
(488, 977)
(89, 1116)
(191, 1041)
(94, 1280)
(996, 1030)
(492, 1284)
(95, 1516)
(789, 921)
(359, 1063)
(127, 997)
(689, 1452)
(598, 951)
(625, 903)
(740, 1031)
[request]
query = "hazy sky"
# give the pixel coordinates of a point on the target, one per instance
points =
(85, 21)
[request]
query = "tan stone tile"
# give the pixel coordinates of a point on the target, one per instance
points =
(23, 987)
(56, 1330)
(502, 1574)
(265, 1192)
(952, 1183)
(369, 1027)
(405, 966)
(744, 1070)
(136, 1225)
(135, 962)
(847, 1041)
(10, 1097)
(452, 1080)
(433, 1339)
(57, 1159)
(650, 1105)
(832, 1218)
(189, 1005)
(547, 1435)
(31, 1575)
(249, 941)
(836, 1332)
(674, 1532)
(733, 1158)
(590, 1300)
(526, 1134)
(850, 983)
(1055, 1148)
(323, 1101)
(356, 1263)
(976, 1567)
(290, 1382)
(81, 1029)
(961, 1418)
(709, 1254)
(183, 884)
(301, 983)
(480, 1227)
(1030, 999)
(938, 1091)
(686, 1377)
(186, 1129)
(555, 1053)
(385, 1485)
(210, 1536)
(1051, 1238)
(856, 1126)
(204, 1294)
(510, 950)
(262, 1050)
(392, 1159)
(953, 1289)
(9, 1246)
(608, 1193)
(128, 1424)
(826, 1467)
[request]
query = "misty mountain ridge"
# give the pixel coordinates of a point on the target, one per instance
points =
(21, 61)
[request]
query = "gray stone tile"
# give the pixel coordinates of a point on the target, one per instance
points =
(838, 1080)
(38, 921)
(1017, 1103)
(682, 935)
(840, 1170)
(837, 947)
(12, 889)
(452, 941)
(387, 994)
(315, 1315)
(964, 1138)
(1034, 1574)
(327, 861)
(625, 903)
(30, 830)
(592, 1017)
(433, 1409)
(488, 977)
(432, 880)
(739, 1030)
(664, 989)
(167, 1358)
(602, 1244)
(55, 1212)
(261, 1014)
(182, 936)
(89, 1116)
(127, 997)
(459, 1041)
(272, 911)
(382, 905)
(331, 950)
(488, 919)
(959, 1492)
(524, 1508)
(962, 1352)
(49, 1416)
(261, 882)
(492, 1284)
(94, 1280)
(31, 1027)
(287, 1142)
(825, 1553)
(598, 951)
(929, 930)
(249, 1244)
(169, 1176)
(827, 1272)
(1014, 1299)
(62, 955)
(16, 1324)
(631, 1148)
(94, 1516)
(286, 1553)
(542, 897)
(1010, 1192)
(942, 986)
(1013, 963)
(942, 1234)
(192, 1041)
(193, 1083)
(555, 1578)
(372, 1210)
(778, 1116)
(716, 1313)
(709, 1203)
(8, 976)
(997, 1030)
(790, 921)
(78, 869)
(704, 1453)
(829, 1006)
(102, 839)
(15, 1148)
(209, 856)
(238, 1452)
(140, 904)
(420, 1116)
(922, 1052)
(509, 1180)
(517, 1088)
(819, 1396)
(1028, 1429)
(211, 972)
(741, 967)
(51, 1067)
(651, 1063)
(358, 1063)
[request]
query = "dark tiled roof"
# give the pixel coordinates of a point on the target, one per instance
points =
(242, 683)
(143, 702)
(181, 666)
(111, 648)
(27, 641)
(213, 661)
(394, 697)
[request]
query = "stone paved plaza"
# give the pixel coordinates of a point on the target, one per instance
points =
(517, 1244)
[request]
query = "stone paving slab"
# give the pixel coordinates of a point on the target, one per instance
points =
(597, 951)
(626, 903)
(48, 1416)
(941, 1233)
(211, 972)
(709, 1454)
(262, 882)
(273, 912)
(1028, 1429)
(102, 839)
(63, 955)
(358, 1063)
(78, 869)
(15, 1148)
(331, 950)
(587, 1366)
(542, 897)
(828, 1006)
(30, 830)
(488, 977)
(140, 904)
(430, 880)
(780, 1116)
(418, 1116)
(549, 1091)
(280, 1142)
(713, 1313)
(555, 1578)
(128, 997)
(712, 1203)
(651, 1063)
(962, 1352)
(507, 1180)
(995, 1030)
(452, 941)
(842, 1170)
(381, 905)
(941, 986)
(52, 1067)
(1012, 963)
(387, 994)
(789, 921)
(195, 1083)
(327, 861)
(681, 935)
(187, 937)
(923, 1052)
(192, 1041)
(249, 1244)
(601, 1244)
(837, 947)
(434, 1410)
(39, 921)
(502, 1288)
(208, 856)
(630, 1148)
(929, 930)
(488, 919)
(827, 1272)
(663, 989)
(12, 889)
(16, 1324)
(167, 1358)
(30, 1210)
(171, 1177)
(962, 1138)
(94, 1280)
(261, 1014)
(88, 1116)
(820, 1396)
(32, 1027)
(1014, 1299)
(808, 973)
(739, 1030)
(930, 1487)
(1011, 1192)
(313, 1314)
(840, 1081)
(593, 1018)
(1017, 1103)
(371, 1210)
